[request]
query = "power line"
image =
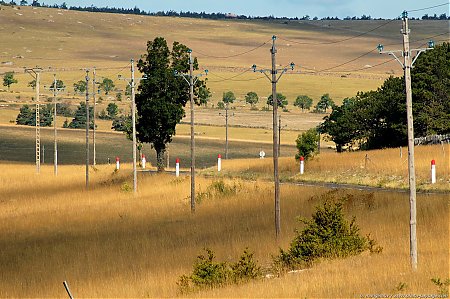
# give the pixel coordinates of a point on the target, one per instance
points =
(341, 40)
(234, 55)
(426, 8)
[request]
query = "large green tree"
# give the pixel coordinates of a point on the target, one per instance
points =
(282, 101)
(80, 86)
(79, 120)
(377, 119)
(162, 96)
(27, 116)
(228, 97)
(107, 85)
(251, 98)
(303, 102)
(8, 79)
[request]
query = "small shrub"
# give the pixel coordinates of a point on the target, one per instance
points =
(217, 189)
(254, 108)
(126, 187)
(246, 268)
(208, 273)
(327, 235)
(442, 285)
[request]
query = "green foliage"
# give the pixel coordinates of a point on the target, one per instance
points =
(79, 120)
(66, 124)
(8, 79)
(228, 97)
(220, 105)
(107, 85)
(251, 98)
(79, 87)
(327, 235)
(162, 96)
(208, 273)
(27, 116)
(59, 85)
(281, 100)
(112, 109)
(324, 103)
(303, 102)
(442, 285)
(217, 189)
(123, 124)
(32, 84)
(64, 109)
(204, 94)
(119, 96)
(377, 119)
(307, 144)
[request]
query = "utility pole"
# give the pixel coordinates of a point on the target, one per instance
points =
(407, 64)
(94, 162)
(191, 80)
(55, 90)
(274, 80)
(226, 128)
(36, 74)
(132, 84)
(87, 129)
(279, 134)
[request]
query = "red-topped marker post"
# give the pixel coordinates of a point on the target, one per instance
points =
(433, 171)
(177, 167)
(144, 161)
(219, 162)
(302, 165)
(117, 163)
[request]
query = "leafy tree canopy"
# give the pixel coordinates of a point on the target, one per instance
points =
(27, 116)
(303, 102)
(162, 96)
(107, 85)
(251, 98)
(79, 120)
(8, 79)
(228, 97)
(282, 101)
(80, 86)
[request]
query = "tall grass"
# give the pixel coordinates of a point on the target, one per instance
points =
(381, 168)
(107, 243)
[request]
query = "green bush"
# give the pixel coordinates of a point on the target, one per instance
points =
(327, 235)
(217, 189)
(307, 144)
(208, 273)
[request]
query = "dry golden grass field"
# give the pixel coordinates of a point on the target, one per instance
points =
(107, 243)
(378, 168)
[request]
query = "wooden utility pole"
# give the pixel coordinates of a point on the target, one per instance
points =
(407, 64)
(132, 83)
(273, 51)
(94, 161)
(87, 129)
(191, 92)
(133, 121)
(274, 80)
(191, 80)
(226, 128)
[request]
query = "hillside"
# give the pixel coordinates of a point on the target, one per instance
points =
(64, 42)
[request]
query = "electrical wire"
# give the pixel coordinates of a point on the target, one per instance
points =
(426, 8)
(234, 55)
(341, 40)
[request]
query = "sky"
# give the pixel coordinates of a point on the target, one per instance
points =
(279, 8)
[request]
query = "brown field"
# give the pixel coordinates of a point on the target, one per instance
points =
(62, 42)
(107, 243)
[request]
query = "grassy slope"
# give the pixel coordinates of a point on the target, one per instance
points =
(106, 243)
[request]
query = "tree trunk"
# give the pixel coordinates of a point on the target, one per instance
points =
(160, 159)
(339, 148)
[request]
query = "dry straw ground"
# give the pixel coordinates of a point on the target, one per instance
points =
(107, 243)
(379, 168)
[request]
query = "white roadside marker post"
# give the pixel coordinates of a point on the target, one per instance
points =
(433, 171)
(219, 163)
(302, 165)
(177, 168)
(117, 163)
